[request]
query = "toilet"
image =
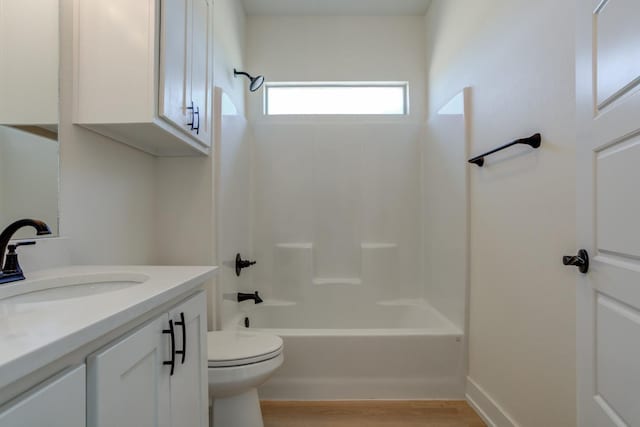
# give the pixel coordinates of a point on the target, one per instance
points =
(239, 362)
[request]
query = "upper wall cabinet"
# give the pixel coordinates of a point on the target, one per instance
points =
(29, 47)
(143, 73)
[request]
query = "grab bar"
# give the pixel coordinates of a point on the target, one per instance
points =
(533, 141)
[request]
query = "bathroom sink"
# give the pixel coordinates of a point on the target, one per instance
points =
(64, 288)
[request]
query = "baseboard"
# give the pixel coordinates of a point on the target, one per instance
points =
(486, 407)
(321, 389)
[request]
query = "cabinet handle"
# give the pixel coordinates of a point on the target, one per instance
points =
(193, 116)
(182, 323)
(196, 114)
(171, 362)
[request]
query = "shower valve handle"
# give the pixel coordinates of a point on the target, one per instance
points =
(242, 263)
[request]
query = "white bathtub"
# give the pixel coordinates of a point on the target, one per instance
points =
(388, 350)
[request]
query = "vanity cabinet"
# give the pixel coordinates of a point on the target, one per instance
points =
(29, 63)
(143, 73)
(155, 376)
(59, 402)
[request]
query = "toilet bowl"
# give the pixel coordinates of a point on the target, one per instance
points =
(239, 362)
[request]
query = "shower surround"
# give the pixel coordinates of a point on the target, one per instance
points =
(337, 206)
(359, 228)
(358, 223)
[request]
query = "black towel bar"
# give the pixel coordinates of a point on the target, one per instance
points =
(533, 141)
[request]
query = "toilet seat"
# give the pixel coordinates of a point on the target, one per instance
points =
(239, 348)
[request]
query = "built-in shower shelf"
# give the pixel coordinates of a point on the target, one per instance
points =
(278, 303)
(294, 245)
(378, 245)
(337, 281)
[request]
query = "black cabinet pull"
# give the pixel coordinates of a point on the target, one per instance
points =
(193, 116)
(182, 323)
(196, 114)
(171, 362)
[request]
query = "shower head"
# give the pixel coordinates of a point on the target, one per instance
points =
(256, 82)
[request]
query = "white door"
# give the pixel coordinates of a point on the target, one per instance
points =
(608, 296)
(200, 69)
(173, 63)
(128, 383)
(59, 402)
(189, 384)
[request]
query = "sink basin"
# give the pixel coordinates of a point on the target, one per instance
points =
(64, 288)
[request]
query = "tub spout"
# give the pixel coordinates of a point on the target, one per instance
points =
(254, 296)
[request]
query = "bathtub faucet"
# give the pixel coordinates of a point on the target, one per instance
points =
(255, 297)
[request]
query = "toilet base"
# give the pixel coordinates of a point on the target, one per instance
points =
(242, 410)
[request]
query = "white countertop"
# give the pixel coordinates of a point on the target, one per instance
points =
(36, 334)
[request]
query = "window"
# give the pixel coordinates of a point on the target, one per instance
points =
(336, 98)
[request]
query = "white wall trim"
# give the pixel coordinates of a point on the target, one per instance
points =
(486, 407)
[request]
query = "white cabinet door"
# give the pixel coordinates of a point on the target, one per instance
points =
(200, 69)
(189, 384)
(128, 384)
(608, 144)
(58, 403)
(173, 62)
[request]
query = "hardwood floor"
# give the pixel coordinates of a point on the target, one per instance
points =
(370, 414)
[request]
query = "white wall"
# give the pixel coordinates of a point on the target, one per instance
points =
(107, 188)
(338, 48)
(518, 57)
(230, 28)
(333, 199)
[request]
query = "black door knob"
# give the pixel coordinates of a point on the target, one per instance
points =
(581, 261)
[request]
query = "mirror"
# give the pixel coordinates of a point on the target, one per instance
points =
(29, 86)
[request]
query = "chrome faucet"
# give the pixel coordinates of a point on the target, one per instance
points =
(11, 271)
(255, 297)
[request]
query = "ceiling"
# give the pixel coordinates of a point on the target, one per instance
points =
(336, 7)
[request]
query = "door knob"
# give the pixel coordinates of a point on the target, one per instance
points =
(581, 261)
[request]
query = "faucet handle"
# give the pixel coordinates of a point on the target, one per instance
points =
(12, 248)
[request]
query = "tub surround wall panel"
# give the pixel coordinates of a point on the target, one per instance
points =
(233, 166)
(293, 267)
(445, 209)
(518, 57)
(337, 202)
(282, 210)
(338, 193)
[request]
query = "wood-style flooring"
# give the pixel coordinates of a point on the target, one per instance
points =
(370, 414)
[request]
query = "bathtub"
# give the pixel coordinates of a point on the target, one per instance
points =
(386, 350)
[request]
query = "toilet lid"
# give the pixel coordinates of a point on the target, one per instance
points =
(237, 348)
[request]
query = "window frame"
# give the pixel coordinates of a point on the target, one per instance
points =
(404, 85)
